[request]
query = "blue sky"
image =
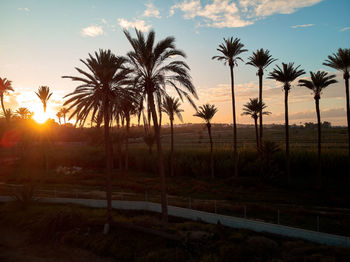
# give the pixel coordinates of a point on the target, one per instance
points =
(43, 40)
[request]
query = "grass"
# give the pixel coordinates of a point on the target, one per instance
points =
(128, 241)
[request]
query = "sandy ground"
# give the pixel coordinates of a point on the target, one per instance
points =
(16, 246)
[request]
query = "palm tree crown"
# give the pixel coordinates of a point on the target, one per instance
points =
(318, 82)
(24, 113)
(340, 61)
(206, 112)
(171, 106)
(261, 59)
(253, 107)
(230, 49)
(152, 69)
(99, 87)
(287, 74)
(44, 95)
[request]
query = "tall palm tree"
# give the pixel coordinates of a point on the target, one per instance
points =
(253, 108)
(5, 87)
(207, 112)
(44, 95)
(171, 106)
(24, 113)
(318, 82)
(230, 51)
(64, 111)
(59, 116)
(341, 62)
(261, 59)
(286, 75)
(155, 67)
(97, 92)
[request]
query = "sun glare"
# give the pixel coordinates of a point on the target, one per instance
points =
(40, 117)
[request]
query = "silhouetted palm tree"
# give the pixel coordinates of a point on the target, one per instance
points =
(59, 116)
(261, 59)
(154, 68)
(230, 50)
(24, 113)
(99, 87)
(287, 74)
(44, 95)
(207, 112)
(318, 82)
(341, 62)
(64, 111)
(171, 106)
(8, 115)
(253, 108)
(5, 87)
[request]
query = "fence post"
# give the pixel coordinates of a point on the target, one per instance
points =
(245, 212)
(278, 216)
(215, 208)
(166, 198)
(189, 203)
(318, 223)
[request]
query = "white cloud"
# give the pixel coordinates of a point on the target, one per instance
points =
(151, 11)
(92, 31)
(345, 28)
(302, 26)
(138, 24)
(236, 13)
(26, 9)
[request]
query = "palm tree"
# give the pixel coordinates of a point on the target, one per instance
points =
(44, 95)
(171, 106)
(341, 62)
(8, 115)
(154, 68)
(318, 82)
(95, 95)
(207, 112)
(5, 87)
(230, 50)
(59, 116)
(24, 113)
(253, 108)
(261, 59)
(64, 111)
(287, 74)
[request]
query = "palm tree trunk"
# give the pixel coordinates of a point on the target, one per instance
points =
(235, 153)
(64, 118)
(287, 133)
(108, 162)
(3, 107)
(127, 143)
(256, 132)
(211, 151)
(160, 160)
(346, 78)
(260, 101)
(172, 148)
(317, 102)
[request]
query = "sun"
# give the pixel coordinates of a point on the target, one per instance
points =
(40, 117)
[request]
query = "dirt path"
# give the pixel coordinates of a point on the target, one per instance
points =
(16, 246)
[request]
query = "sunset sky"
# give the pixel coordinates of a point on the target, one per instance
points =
(43, 40)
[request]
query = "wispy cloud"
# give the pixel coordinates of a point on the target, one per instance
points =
(26, 9)
(92, 31)
(151, 11)
(345, 29)
(237, 13)
(302, 26)
(136, 23)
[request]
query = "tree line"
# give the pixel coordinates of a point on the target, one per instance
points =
(112, 89)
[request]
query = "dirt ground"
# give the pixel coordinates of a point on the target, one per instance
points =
(17, 246)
